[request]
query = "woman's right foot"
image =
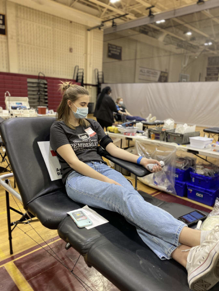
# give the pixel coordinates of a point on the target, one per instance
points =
(203, 264)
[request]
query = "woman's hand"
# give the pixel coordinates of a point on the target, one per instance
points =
(157, 166)
(108, 180)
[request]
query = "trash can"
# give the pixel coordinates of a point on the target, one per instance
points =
(90, 107)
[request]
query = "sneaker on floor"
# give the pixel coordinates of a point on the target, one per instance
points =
(203, 266)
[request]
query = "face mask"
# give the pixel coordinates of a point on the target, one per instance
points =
(81, 112)
(120, 102)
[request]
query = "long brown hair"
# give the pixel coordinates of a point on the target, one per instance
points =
(117, 100)
(70, 92)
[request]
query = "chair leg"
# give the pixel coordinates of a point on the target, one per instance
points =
(136, 181)
(9, 220)
(15, 184)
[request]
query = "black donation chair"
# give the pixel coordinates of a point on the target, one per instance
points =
(114, 249)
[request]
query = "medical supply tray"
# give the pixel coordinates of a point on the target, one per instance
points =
(159, 133)
(180, 138)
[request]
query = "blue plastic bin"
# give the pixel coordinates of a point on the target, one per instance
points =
(202, 195)
(182, 175)
(204, 181)
(181, 189)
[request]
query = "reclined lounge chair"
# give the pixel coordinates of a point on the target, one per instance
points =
(114, 249)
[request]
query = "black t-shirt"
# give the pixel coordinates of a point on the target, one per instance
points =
(84, 142)
(121, 108)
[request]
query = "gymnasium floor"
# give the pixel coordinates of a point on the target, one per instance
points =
(33, 267)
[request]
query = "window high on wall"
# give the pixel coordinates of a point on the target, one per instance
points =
(179, 49)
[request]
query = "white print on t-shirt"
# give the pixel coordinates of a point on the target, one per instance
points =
(83, 136)
(86, 140)
(84, 145)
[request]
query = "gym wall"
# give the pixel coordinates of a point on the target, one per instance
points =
(142, 51)
(40, 42)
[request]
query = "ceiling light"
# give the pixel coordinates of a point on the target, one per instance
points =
(160, 21)
(208, 43)
(189, 33)
(114, 1)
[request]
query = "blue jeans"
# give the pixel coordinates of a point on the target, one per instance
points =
(137, 118)
(157, 228)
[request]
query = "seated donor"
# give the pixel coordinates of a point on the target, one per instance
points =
(88, 180)
(123, 111)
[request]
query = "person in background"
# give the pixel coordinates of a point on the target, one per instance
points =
(122, 111)
(105, 107)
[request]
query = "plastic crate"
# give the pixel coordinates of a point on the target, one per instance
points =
(202, 195)
(204, 181)
(180, 138)
(182, 175)
(181, 189)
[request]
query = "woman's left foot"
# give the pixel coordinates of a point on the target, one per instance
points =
(203, 266)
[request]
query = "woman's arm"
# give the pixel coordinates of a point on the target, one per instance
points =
(67, 153)
(127, 113)
(124, 155)
(122, 113)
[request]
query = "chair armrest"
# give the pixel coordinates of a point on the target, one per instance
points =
(133, 168)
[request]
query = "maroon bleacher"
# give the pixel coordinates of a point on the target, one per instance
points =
(16, 84)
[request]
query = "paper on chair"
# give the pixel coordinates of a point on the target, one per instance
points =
(51, 160)
(94, 217)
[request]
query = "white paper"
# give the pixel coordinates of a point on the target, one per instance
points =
(51, 160)
(92, 215)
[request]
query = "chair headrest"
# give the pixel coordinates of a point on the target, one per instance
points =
(20, 136)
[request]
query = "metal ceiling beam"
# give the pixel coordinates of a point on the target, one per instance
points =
(175, 35)
(175, 19)
(206, 13)
(130, 16)
(165, 15)
(191, 27)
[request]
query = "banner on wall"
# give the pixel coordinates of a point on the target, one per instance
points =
(2, 24)
(114, 52)
(150, 75)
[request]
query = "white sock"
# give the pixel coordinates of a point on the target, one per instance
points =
(204, 234)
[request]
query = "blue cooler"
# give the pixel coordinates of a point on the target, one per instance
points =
(180, 188)
(182, 175)
(202, 195)
(204, 181)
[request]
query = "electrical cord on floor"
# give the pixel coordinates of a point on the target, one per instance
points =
(55, 256)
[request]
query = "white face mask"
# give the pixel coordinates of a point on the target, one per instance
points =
(81, 112)
(120, 102)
